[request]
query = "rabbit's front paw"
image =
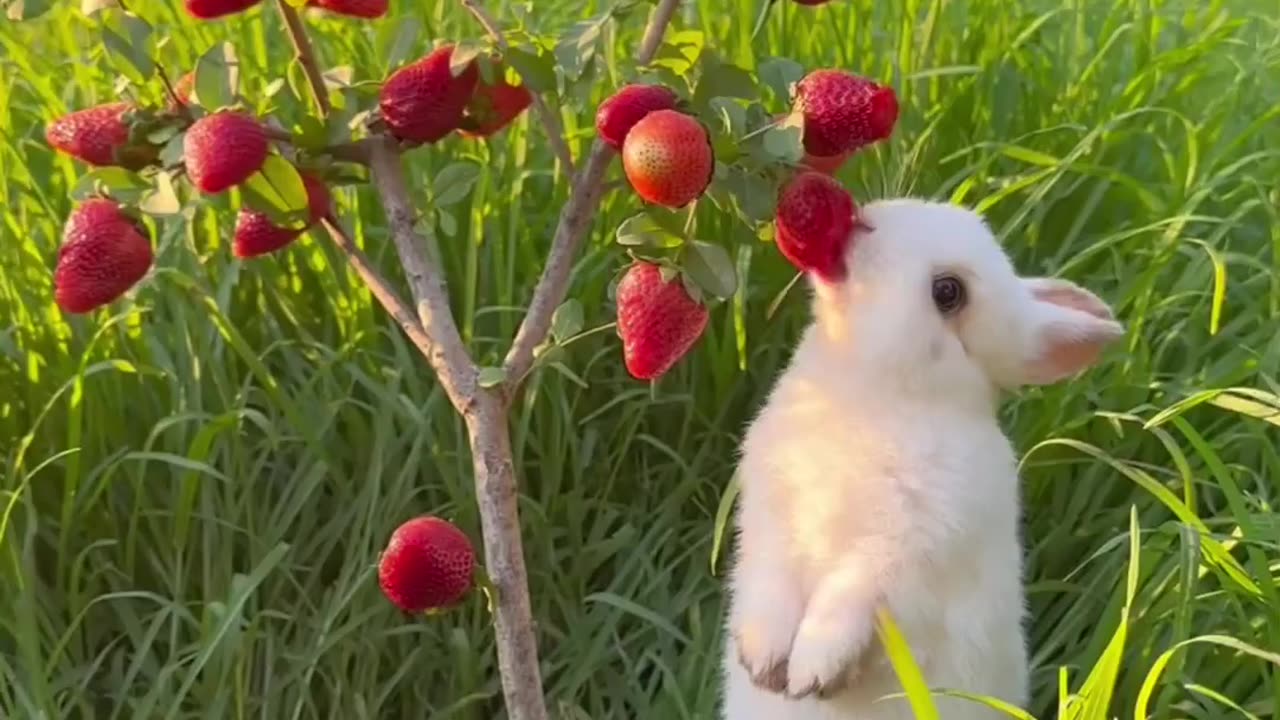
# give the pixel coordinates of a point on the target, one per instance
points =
(762, 630)
(837, 629)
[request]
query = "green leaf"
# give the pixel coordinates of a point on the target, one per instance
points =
(680, 52)
(130, 48)
(728, 125)
(567, 320)
(217, 80)
(722, 79)
(779, 74)
(754, 196)
(784, 143)
(577, 45)
(163, 199)
(723, 518)
(19, 10)
(537, 69)
(711, 267)
(311, 131)
(123, 185)
(453, 183)
(173, 152)
(691, 287)
(491, 377)
(464, 53)
(339, 77)
(163, 134)
(731, 116)
(447, 222)
(645, 230)
(277, 191)
(407, 32)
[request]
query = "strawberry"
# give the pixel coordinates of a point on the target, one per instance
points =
(256, 235)
(104, 252)
(657, 320)
(843, 112)
(827, 165)
(620, 112)
(209, 9)
(422, 102)
(668, 159)
(815, 219)
(223, 150)
(427, 565)
(368, 9)
(823, 164)
(493, 107)
(99, 136)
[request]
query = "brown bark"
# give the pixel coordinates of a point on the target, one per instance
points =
(435, 333)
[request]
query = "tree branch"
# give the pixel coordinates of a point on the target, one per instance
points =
(305, 54)
(550, 120)
(448, 354)
(575, 220)
(392, 302)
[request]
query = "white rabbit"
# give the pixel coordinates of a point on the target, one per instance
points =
(876, 475)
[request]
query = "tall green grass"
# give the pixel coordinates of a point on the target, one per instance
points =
(195, 483)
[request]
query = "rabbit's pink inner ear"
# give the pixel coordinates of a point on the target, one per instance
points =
(1065, 293)
(1066, 347)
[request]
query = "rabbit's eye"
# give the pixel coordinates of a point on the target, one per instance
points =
(948, 294)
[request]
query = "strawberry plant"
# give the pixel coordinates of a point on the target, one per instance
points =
(689, 129)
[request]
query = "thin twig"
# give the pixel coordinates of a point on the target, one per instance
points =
(305, 54)
(575, 220)
(178, 103)
(550, 120)
(378, 285)
(448, 356)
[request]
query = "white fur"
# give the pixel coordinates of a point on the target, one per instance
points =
(876, 474)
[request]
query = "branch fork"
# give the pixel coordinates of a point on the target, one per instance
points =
(430, 326)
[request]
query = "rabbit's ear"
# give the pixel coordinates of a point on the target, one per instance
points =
(1070, 327)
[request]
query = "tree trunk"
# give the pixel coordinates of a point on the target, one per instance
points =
(496, 493)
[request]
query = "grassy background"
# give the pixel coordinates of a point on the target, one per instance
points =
(196, 482)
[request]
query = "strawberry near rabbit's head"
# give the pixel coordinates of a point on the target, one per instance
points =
(931, 299)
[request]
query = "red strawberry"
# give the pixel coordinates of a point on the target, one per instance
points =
(427, 565)
(815, 220)
(828, 165)
(493, 107)
(99, 136)
(668, 159)
(256, 235)
(423, 102)
(367, 9)
(223, 150)
(843, 112)
(104, 253)
(620, 112)
(657, 320)
(825, 165)
(209, 9)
